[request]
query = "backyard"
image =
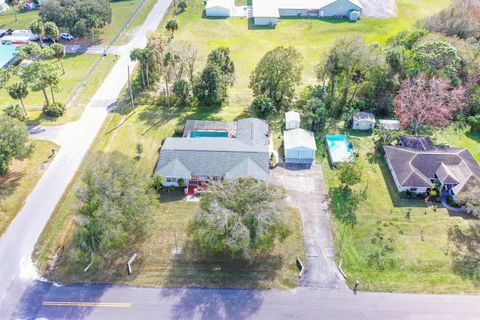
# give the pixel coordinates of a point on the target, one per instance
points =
(248, 43)
(420, 261)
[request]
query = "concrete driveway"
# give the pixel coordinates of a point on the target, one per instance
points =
(379, 8)
(307, 193)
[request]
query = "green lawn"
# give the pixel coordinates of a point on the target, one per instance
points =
(20, 180)
(7, 19)
(421, 260)
(312, 38)
(126, 36)
(149, 126)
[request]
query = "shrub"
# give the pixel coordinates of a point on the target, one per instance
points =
(182, 6)
(179, 129)
(273, 161)
(156, 183)
(181, 89)
(15, 111)
(181, 182)
(55, 110)
(263, 107)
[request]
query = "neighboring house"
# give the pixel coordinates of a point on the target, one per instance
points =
(299, 147)
(363, 121)
(417, 164)
(211, 151)
(219, 8)
(292, 120)
(392, 125)
(267, 12)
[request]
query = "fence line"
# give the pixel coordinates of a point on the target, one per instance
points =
(83, 82)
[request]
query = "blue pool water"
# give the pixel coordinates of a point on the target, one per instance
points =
(7, 54)
(209, 134)
(339, 148)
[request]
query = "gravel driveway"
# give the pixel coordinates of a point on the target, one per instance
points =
(379, 8)
(307, 192)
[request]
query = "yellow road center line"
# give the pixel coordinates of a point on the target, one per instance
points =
(86, 304)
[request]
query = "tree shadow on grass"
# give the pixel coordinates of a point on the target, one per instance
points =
(344, 204)
(9, 183)
(192, 269)
(466, 251)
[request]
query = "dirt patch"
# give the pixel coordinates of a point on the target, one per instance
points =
(379, 8)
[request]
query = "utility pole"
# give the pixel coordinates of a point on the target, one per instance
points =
(130, 88)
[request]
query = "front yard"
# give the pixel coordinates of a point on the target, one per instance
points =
(156, 266)
(420, 261)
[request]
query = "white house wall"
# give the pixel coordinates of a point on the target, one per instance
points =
(293, 12)
(259, 21)
(217, 12)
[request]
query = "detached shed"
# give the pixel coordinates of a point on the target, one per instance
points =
(219, 8)
(393, 125)
(292, 120)
(363, 121)
(300, 146)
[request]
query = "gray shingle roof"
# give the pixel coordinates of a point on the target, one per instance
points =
(245, 154)
(417, 142)
(416, 168)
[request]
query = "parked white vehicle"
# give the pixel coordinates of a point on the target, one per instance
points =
(25, 33)
(66, 36)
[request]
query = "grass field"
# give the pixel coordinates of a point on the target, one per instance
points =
(20, 180)
(7, 19)
(126, 36)
(312, 38)
(421, 260)
(76, 68)
(121, 11)
(150, 126)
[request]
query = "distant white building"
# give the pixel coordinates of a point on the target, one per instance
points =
(219, 8)
(299, 146)
(393, 125)
(292, 120)
(363, 121)
(267, 12)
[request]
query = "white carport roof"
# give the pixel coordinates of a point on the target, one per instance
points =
(299, 138)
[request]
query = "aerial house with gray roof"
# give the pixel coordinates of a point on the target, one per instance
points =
(417, 164)
(211, 151)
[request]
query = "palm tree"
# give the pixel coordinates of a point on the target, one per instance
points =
(59, 53)
(51, 31)
(12, 4)
(37, 27)
(172, 26)
(136, 55)
(19, 91)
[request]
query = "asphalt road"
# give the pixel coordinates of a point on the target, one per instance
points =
(116, 303)
(17, 243)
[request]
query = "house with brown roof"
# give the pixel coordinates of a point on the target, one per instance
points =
(416, 164)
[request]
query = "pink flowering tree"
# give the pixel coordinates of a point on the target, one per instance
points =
(427, 101)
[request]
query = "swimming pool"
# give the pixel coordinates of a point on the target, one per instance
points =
(209, 134)
(339, 149)
(7, 55)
